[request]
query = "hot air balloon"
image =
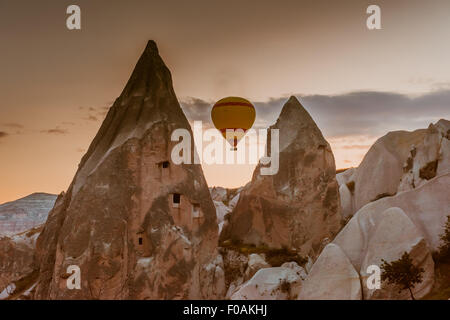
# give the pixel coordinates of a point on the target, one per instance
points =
(231, 114)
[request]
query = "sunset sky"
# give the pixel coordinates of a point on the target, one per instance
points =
(56, 85)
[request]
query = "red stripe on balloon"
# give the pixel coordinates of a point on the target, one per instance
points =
(229, 104)
(234, 129)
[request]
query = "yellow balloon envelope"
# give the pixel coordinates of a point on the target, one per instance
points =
(233, 116)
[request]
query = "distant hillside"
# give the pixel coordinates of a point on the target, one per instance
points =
(25, 213)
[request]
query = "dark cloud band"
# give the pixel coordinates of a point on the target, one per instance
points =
(357, 113)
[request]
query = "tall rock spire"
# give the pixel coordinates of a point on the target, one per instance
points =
(298, 207)
(137, 225)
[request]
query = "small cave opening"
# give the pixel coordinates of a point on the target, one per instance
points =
(176, 198)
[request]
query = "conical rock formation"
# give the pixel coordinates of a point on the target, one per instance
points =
(298, 207)
(137, 225)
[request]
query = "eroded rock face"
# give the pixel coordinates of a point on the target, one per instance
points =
(409, 222)
(346, 176)
(428, 159)
(332, 277)
(346, 201)
(399, 161)
(255, 263)
(380, 171)
(137, 225)
(17, 263)
(425, 206)
(221, 211)
(395, 234)
(224, 200)
(377, 233)
(299, 206)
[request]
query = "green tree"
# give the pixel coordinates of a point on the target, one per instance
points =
(402, 272)
(444, 249)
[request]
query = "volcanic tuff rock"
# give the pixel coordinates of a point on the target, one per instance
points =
(428, 159)
(299, 206)
(398, 161)
(332, 277)
(221, 211)
(224, 200)
(255, 262)
(25, 213)
(138, 226)
(396, 234)
(17, 263)
(410, 221)
(279, 283)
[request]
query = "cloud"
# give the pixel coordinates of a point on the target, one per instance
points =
(91, 118)
(376, 113)
(17, 128)
(87, 108)
(94, 113)
(13, 125)
(3, 134)
(56, 131)
(197, 109)
(102, 111)
(368, 113)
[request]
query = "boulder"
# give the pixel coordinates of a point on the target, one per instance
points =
(346, 176)
(423, 206)
(270, 284)
(295, 267)
(332, 277)
(393, 234)
(411, 221)
(380, 171)
(399, 161)
(255, 262)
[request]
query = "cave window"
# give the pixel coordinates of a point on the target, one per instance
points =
(164, 164)
(176, 200)
(140, 241)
